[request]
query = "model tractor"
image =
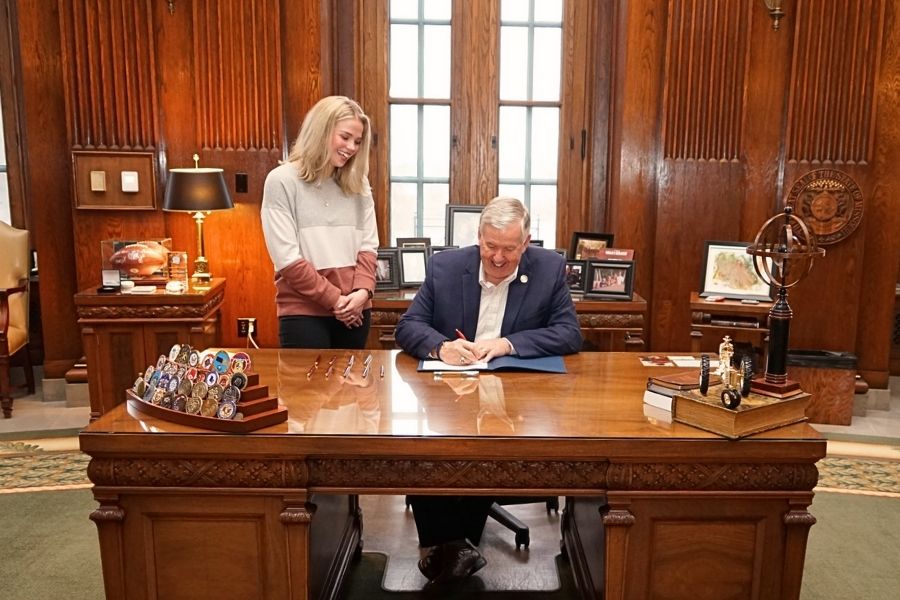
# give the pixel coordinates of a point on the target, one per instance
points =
(735, 381)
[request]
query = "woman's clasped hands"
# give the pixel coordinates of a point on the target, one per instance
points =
(348, 309)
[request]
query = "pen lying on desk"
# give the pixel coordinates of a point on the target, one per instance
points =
(455, 373)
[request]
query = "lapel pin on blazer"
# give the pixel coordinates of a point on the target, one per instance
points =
(524, 278)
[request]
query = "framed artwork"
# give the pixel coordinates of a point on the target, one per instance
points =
(537, 243)
(610, 279)
(387, 269)
(586, 245)
(412, 266)
(422, 242)
(436, 249)
(561, 251)
(576, 272)
(462, 224)
(728, 272)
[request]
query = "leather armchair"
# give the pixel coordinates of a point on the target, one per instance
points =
(13, 310)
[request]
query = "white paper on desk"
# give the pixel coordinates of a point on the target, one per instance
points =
(439, 365)
(691, 361)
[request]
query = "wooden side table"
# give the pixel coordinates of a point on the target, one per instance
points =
(743, 322)
(605, 324)
(124, 333)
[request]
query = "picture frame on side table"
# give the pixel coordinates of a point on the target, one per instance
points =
(728, 272)
(610, 280)
(417, 242)
(412, 266)
(586, 245)
(462, 224)
(576, 274)
(387, 269)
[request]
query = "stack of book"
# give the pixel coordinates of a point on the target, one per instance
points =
(661, 388)
(755, 413)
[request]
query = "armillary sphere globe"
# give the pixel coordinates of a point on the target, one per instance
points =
(784, 250)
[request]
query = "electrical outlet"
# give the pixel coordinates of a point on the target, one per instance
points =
(244, 325)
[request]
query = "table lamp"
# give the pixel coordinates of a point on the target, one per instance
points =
(199, 191)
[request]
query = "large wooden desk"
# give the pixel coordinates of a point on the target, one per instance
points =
(605, 324)
(123, 333)
(653, 509)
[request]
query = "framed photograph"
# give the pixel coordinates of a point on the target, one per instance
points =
(728, 272)
(412, 266)
(561, 251)
(387, 269)
(610, 279)
(576, 273)
(462, 224)
(422, 242)
(586, 245)
(537, 243)
(436, 249)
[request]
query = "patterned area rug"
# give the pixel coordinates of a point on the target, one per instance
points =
(26, 466)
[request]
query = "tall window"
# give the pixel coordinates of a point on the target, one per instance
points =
(480, 101)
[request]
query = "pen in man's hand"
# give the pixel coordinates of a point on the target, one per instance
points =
(460, 334)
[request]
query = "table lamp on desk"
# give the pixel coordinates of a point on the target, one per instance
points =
(199, 191)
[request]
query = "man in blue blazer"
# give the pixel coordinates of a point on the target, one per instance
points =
(501, 297)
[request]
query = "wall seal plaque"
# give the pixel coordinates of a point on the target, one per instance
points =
(830, 203)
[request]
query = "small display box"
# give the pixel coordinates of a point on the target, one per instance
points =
(141, 261)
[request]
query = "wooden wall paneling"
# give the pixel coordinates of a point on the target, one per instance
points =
(634, 131)
(830, 125)
(10, 65)
(370, 77)
(882, 219)
(594, 217)
(700, 185)
(47, 186)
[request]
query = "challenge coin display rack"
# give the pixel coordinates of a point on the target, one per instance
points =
(206, 389)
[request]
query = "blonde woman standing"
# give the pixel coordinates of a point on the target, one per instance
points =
(318, 219)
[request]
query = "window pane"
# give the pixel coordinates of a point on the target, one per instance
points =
(547, 63)
(514, 10)
(511, 190)
(436, 141)
(403, 210)
(543, 214)
(512, 142)
(548, 11)
(404, 9)
(435, 212)
(404, 69)
(439, 10)
(513, 63)
(5, 213)
(544, 142)
(437, 61)
(404, 140)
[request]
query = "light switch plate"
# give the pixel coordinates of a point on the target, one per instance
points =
(130, 181)
(98, 181)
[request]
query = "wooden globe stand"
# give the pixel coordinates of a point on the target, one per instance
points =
(783, 254)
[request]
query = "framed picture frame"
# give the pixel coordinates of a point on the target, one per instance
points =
(387, 269)
(610, 279)
(587, 244)
(438, 249)
(414, 242)
(728, 272)
(562, 252)
(539, 243)
(462, 224)
(412, 266)
(576, 275)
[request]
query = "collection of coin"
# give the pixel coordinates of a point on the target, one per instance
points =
(195, 382)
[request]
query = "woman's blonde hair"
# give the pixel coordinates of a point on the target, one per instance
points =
(311, 151)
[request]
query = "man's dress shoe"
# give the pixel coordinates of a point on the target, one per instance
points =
(432, 563)
(458, 560)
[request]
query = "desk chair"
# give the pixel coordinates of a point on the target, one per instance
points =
(511, 522)
(13, 310)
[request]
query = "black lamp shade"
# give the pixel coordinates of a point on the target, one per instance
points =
(194, 190)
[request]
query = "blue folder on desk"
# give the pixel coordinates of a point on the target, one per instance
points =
(544, 364)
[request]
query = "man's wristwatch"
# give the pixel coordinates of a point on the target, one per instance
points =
(367, 291)
(436, 351)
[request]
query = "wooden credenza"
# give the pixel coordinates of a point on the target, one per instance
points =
(124, 333)
(611, 325)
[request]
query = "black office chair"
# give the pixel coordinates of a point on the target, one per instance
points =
(511, 522)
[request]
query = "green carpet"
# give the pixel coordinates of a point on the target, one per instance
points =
(49, 550)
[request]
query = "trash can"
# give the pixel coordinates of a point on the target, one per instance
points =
(831, 379)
